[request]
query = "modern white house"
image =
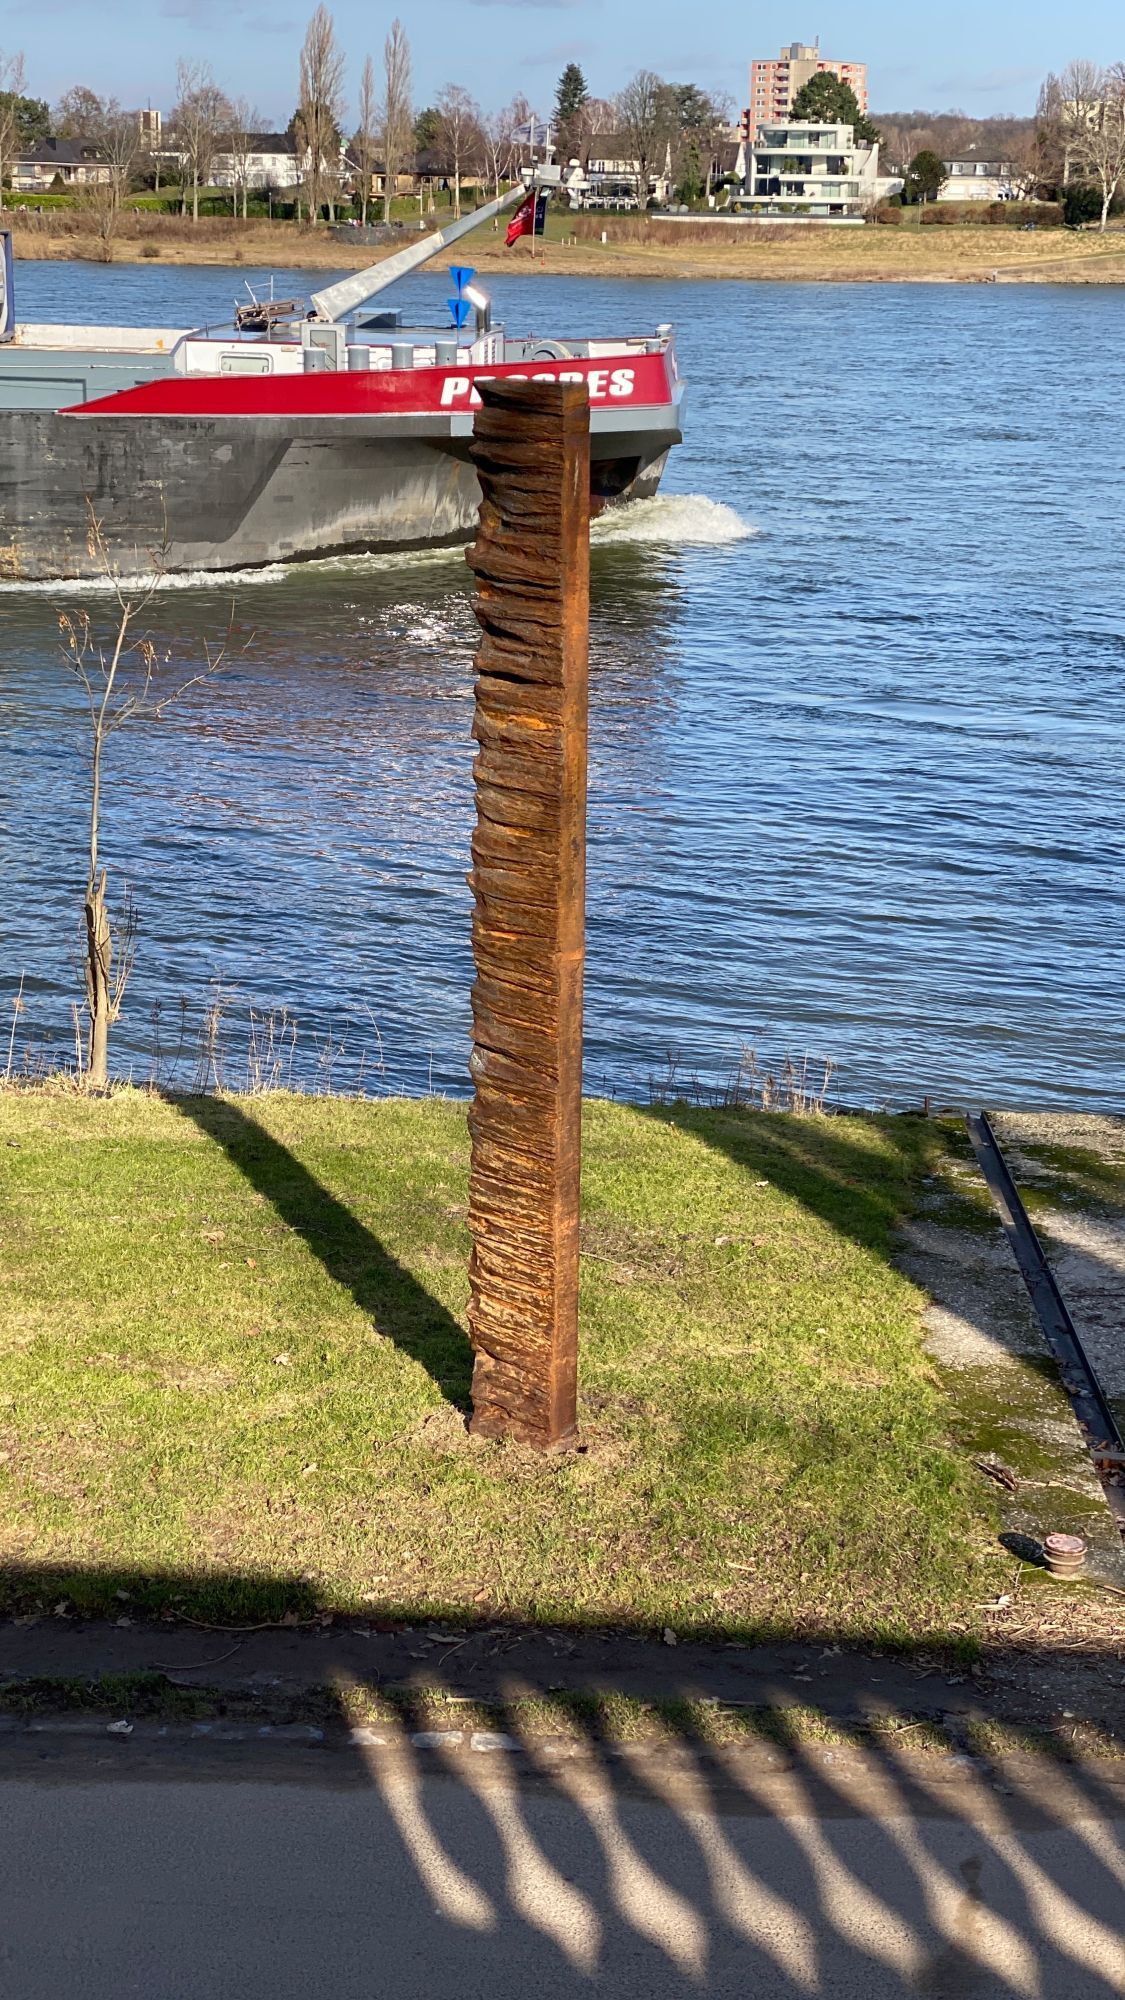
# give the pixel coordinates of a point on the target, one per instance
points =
(804, 172)
(270, 161)
(978, 180)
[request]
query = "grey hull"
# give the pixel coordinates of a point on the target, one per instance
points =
(234, 493)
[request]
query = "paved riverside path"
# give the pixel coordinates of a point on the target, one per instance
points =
(188, 1870)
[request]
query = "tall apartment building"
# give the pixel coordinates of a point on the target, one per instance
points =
(775, 81)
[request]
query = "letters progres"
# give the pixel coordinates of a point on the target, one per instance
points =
(603, 383)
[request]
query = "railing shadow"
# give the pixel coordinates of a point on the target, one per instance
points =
(394, 1844)
(397, 1305)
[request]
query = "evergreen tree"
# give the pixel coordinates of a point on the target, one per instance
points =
(827, 100)
(925, 178)
(570, 97)
(427, 129)
(571, 94)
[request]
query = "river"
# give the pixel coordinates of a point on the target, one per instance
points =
(857, 729)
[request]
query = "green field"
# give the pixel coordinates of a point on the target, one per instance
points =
(234, 1373)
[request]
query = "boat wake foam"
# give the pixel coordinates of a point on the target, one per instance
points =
(673, 520)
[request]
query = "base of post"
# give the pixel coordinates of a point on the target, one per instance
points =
(498, 1426)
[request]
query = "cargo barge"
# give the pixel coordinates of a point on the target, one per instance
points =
(301, 429)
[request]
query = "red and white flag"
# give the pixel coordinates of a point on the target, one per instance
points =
(523, 221)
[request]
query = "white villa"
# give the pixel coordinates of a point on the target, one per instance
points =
(809, 173)
(270, 161)
(977, 180)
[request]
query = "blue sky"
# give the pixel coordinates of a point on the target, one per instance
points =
(981, 60)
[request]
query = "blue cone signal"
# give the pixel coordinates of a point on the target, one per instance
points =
(462, 275)
(460, 308)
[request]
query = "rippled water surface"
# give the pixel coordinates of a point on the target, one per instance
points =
(857, 728)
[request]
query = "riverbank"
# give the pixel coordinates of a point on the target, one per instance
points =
(234, 1372)
(968, 254)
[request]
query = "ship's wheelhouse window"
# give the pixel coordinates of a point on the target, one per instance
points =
(246, 364)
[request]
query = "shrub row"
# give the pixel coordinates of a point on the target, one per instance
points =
(1048, 214)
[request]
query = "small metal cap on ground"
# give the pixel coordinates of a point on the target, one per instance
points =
(1065, 1554)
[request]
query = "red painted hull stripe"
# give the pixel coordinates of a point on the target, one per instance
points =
(615, 382)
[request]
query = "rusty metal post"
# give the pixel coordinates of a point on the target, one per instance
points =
(531, 450)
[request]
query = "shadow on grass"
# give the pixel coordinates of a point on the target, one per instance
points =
(861, 1192)
(397, 1305)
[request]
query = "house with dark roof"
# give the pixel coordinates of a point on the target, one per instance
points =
(58, 163)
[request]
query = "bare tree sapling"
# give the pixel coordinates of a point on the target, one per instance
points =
(118, 664)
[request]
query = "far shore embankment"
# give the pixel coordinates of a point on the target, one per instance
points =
(967, 253)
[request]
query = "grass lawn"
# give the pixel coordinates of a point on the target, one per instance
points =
(233, 1374)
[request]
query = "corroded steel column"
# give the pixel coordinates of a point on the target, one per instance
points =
(531, 449)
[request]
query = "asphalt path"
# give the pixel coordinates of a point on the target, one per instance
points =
(194, 1873)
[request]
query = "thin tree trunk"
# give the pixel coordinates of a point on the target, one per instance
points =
(99, 954)
(195, 198)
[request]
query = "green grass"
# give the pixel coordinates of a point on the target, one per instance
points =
(233, 1374)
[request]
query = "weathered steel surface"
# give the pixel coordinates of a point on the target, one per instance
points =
(531, 450)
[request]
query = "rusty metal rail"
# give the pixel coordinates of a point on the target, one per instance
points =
(531, 450)
(1096, 1419)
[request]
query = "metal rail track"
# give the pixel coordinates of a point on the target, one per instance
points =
(1096, 1419)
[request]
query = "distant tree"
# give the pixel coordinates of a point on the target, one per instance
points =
(1068, 104)
(366, 139)
(11, 95)
(925, 178)
(500, 149)
(245, 121)
(571, 97)
(396, 117)
(699, 120)
(427, 129)
(1096, 130)
(646, 116)
(33, 119)
(200, 115)
(460, 135)
(77, 112)
(320, 112)
(116, 137)
(828, 100)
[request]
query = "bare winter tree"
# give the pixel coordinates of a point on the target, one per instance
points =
(239, 144)
(117, 136)
(598, 115)
(77, 112)
(13, 78)
(500, 149)
(1066, 103)
(460, 132)
(201, 114)
(397, 112)
(1093, 105)
(320, 113)
(645, 120)
(119, 666)
(366, 135)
